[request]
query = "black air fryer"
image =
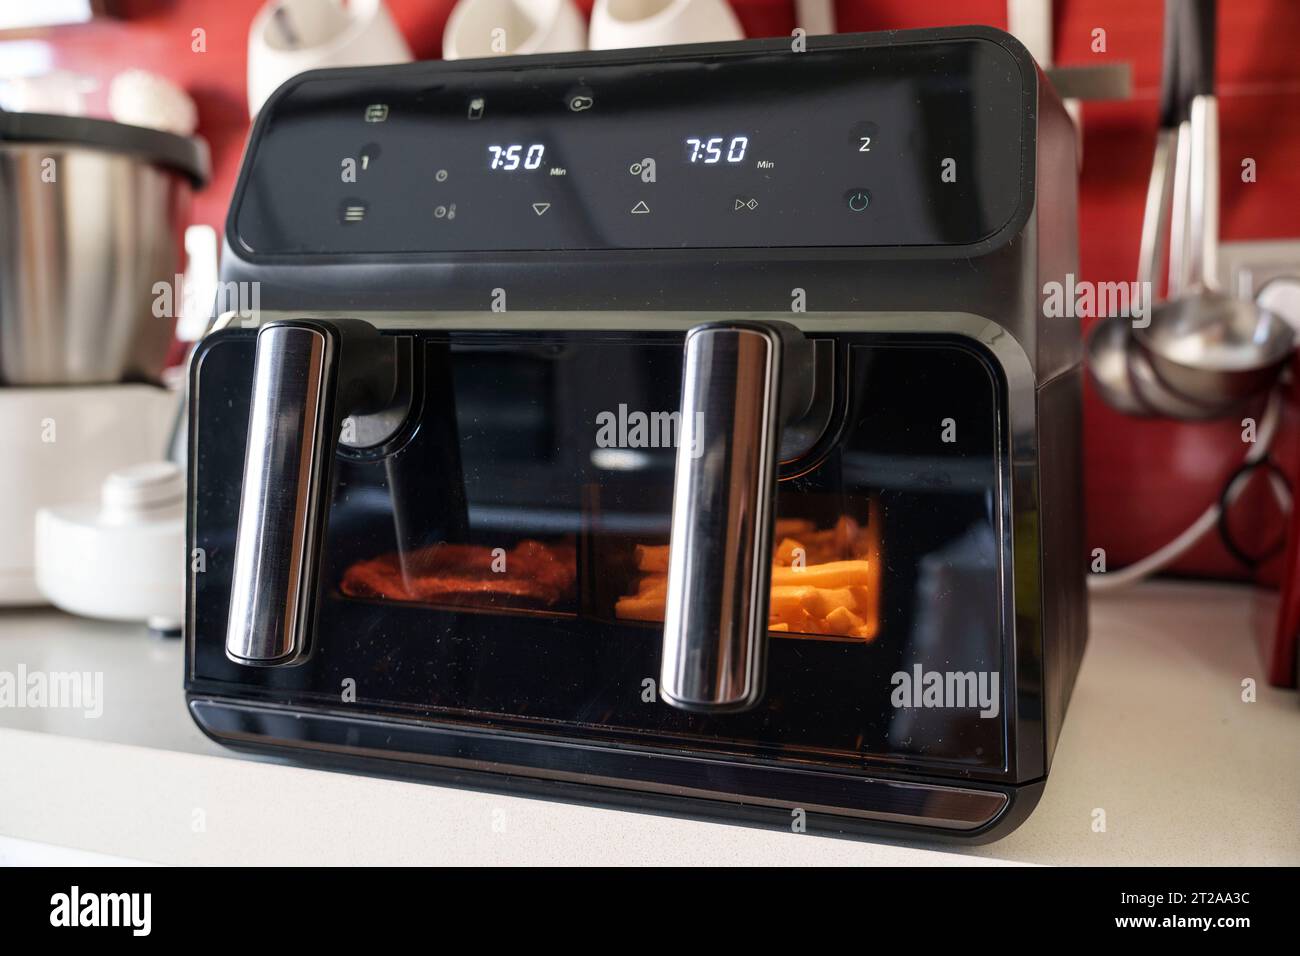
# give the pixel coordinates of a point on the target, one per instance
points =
(674, 429)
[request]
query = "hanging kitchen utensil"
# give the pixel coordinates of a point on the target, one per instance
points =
(1107, 354)
(1137, 391)
(1213, 349)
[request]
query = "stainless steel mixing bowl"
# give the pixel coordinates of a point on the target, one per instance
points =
(86, 231)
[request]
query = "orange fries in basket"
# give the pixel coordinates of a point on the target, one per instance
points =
(825, 583)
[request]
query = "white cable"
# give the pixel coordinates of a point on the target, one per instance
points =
(1175, 549)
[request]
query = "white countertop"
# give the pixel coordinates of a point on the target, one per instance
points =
(1157, 736)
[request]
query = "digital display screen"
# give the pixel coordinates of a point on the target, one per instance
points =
(903, 145)
(716, 149)
(516, 156)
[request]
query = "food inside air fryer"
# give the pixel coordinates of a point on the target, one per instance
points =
(824, 582)
(530, 575)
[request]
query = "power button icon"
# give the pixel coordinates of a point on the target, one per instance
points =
(858, 199)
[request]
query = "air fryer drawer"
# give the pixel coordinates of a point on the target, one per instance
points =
(502, 563)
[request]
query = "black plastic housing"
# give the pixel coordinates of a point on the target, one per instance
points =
(981, 298)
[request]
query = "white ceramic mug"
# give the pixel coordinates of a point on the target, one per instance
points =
(289, 37)
(618, 24)
(495, 27)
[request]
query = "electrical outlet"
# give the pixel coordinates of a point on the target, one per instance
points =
(1267, 272)
(1245, 267)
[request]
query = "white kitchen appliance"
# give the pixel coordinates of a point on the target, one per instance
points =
(60, 444)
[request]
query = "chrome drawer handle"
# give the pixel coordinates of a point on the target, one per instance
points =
(742, 382)
(307, 376)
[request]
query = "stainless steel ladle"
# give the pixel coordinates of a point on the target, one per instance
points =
(1210, 348)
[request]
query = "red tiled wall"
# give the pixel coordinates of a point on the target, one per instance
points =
(1145, 480)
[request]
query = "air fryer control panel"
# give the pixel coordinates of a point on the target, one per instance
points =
(910, 145)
